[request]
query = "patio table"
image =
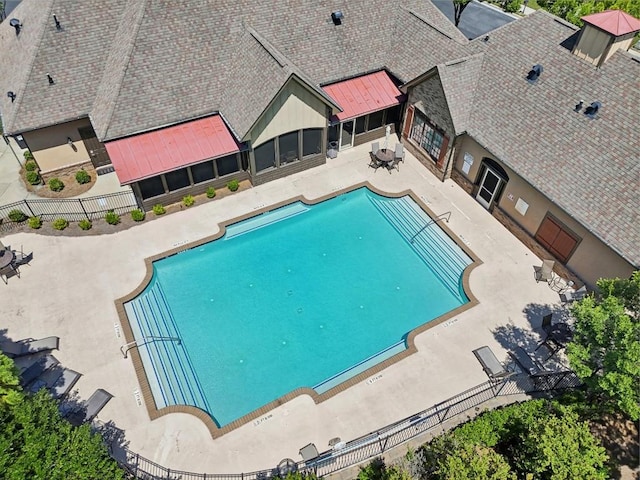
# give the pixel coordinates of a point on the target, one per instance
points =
(6, 257)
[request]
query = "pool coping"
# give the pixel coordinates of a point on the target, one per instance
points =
(205, 417)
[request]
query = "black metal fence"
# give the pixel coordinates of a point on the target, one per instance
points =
(375, 443)
(71, 209)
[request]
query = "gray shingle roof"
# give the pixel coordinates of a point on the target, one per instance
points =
(589, 168)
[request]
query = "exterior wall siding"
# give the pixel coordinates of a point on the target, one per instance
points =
(372, 135)
(591, 259)
(296, 108)
(289, 169)
(50, 149)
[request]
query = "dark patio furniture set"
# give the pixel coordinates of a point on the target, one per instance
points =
(10, 262)
(386, 157)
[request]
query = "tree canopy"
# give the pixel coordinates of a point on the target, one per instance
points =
(37, 443)
(605, 350)
(573, 10)
(458, 8)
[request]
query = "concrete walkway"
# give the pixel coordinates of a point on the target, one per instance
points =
(70, 288)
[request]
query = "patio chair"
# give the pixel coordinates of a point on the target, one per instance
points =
(571, 295)
(309, 452)
(375, 146)
(20, 258)
(91, 408)
(399, 153)
(9, 271)
(524, 360)
(393, 164)
(490, 364)
(546, 322)
(40, 366)
(375, 163)
(29, 346)
(545, 272)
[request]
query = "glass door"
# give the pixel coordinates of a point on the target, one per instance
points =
(488, 188)
(346, 134)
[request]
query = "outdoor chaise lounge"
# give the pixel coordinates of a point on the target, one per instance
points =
(524, 360)
(28, 346)
(490, 364)
(571, 296)
(39, 366)
(88, 411)
(58, 380)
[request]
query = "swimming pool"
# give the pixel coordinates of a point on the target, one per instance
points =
(300, 297)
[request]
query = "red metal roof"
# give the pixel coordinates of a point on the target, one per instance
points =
(365, 94)
(160, 151)
(616, 22)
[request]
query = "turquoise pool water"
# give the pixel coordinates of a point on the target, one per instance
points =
(303, 296)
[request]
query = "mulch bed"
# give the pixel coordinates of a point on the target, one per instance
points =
(71, 187)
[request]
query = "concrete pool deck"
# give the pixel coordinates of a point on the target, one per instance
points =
(70, 287)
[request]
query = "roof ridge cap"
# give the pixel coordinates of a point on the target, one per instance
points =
(141, 8)
(428, 23)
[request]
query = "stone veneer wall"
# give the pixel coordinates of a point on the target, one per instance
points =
(67, 171)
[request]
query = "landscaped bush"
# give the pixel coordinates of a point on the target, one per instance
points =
(82, 177)
(30, 166)
(513, 6)
(35, 222)
(137, 215)
(233, 185)
(33, 178)
(85, 224)
(60, 224)
(188, 200)
(28, 155)
(56, 185)
(112, 218)
(158, 209)
(17, 216)
(211, 192)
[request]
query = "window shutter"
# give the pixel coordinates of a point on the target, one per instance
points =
(443, 148)
(408, 120)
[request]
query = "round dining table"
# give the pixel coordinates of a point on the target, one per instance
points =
(6, 257)
(385, 155)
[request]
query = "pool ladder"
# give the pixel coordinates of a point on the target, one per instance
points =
(435, 220)
(141, 341)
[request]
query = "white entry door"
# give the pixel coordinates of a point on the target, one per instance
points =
(488, 188)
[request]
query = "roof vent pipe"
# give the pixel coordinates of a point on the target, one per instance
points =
(50, 78)
(592, 109)
(578, 106)
(534, 73)
(337, 17)
(11, 95)
(15, 23)
(57, 22)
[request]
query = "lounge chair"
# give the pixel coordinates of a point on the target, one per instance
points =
(309, 452)
(490, 364)
(528, 364)
(40, 366)
(29, 346)
(58, 380)
(571, 295)
(91, 408)
(399, 153)
(544, 273)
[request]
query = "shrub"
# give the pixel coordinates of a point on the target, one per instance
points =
(82, 177)
(33, 178)
(112, 218)
(35, 222)
(85, 224)
(513, 6)
(60, 224)
(30, 166)
(158, 209)
(233, 185)
(28, 155)
(188, 200)
(211, 192)
(137, 215)
(55, 184)
(17, 216)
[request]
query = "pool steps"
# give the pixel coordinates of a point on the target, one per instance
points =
(409, 219)
(266, 218)
(169, 358)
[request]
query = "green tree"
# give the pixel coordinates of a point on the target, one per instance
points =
(458, 8)
(470, 462)
(10, 391)
(605, 353)
(562, 448)
(36, 443)
(626, 290)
